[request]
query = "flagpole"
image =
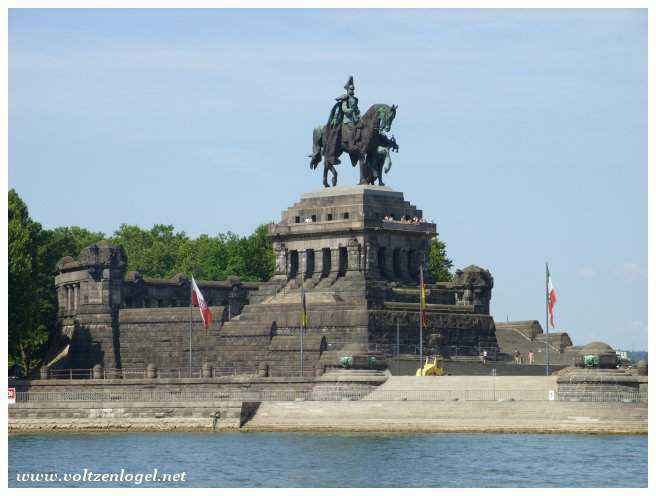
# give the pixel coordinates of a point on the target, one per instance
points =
(546, 292)
(302, 320)
(191, 306)
(421, 318)
(397, 344)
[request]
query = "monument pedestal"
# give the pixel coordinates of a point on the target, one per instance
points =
(359, 254)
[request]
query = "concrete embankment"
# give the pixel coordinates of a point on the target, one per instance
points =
(358, 416)
(402, 404)
(130, 416)
(399, 405)
(471, 416)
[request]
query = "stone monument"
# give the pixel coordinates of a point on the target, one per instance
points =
(356, 252)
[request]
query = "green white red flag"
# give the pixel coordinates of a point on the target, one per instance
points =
(551, 296)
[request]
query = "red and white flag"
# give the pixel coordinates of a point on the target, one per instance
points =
(198, 301)
(551, 295)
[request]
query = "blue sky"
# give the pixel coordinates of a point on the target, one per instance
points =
(523, 134)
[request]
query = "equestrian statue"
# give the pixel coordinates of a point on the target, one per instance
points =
(364, 138)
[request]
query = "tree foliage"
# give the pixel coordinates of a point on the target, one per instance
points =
(33, 253)
(439, 265)
(162, 252)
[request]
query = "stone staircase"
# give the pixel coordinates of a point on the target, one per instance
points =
(381, 411)
(445, 416)
(406, 383)
(512, 339)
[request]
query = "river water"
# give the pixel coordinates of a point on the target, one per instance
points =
(333, 460)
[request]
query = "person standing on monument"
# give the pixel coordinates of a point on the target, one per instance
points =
(342, 125)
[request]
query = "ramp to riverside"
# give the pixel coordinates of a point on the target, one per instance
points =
(455, 404)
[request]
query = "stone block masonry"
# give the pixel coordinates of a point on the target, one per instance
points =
(356, 251)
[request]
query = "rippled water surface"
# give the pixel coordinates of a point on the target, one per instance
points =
(338, 460)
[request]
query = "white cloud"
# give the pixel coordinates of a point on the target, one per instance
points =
(629, 270)
(587, 271)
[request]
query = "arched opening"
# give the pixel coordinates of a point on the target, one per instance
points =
(326, 263)
(411, 267)
(343, 260)
(293, 263)
(396, 262)
(309, 263)
(381, 260)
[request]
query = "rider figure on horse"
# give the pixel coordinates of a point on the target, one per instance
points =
(342, 124)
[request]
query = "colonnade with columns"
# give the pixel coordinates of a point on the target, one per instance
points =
(70, 297)
(384, 262)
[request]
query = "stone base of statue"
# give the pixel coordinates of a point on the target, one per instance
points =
(353, 252)
(356, 252)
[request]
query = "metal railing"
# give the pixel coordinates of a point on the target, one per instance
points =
(143, 373)
(473, 352)
(186, 396)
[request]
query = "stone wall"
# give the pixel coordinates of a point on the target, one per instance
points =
(120, 319)
(356, 259)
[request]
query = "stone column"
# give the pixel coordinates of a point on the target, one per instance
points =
(334, 261)
(68, 298)
(302, 264)
(371, 256)
(354, 252)
(44, 372)
(76, 297)
(61, 298)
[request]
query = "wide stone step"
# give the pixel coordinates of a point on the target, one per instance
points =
(481, 415)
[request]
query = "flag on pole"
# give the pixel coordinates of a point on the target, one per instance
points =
(422, 297)
(304, 315)
(551, 296)
(198, 301)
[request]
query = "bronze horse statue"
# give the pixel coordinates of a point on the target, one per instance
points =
(365, 142)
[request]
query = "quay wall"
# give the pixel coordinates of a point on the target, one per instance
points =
(346, 401)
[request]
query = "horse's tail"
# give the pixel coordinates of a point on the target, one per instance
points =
(317, 141)
(317, 146)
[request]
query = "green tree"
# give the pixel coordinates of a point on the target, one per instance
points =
(439, 265)
(155, 252)
(63, 241)
(258, 255)
(27, 332)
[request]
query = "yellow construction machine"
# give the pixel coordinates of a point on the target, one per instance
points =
(431, 368)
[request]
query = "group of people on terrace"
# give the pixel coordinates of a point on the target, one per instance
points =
(406, 219)
(519, 358)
